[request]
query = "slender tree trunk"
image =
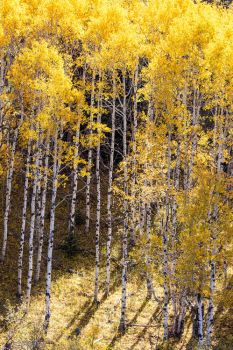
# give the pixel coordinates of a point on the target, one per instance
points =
(38, 192)
(165, 242)
(174, 248)
(109, 198)
(2, 83)
(8, 195)
(210, 312)
(75, 185)
(75, 173)
(124, 128)
(210, 315)
(56, 168)
(146, 215)
(88, 189)
(173, 267)
(24, 219)
(220, 159)
(42, 215)
(186, 143)
(225, 272)
(180, 321)
(32, 229)
(195, 117)
(133, 220)
(142, 213)
(98, 208)
(200, 320)
(122, 326)
(149, 281)
(165, 283)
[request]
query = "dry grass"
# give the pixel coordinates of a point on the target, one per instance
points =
(72, 301)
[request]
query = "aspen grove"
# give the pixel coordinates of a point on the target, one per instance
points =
(116, 146)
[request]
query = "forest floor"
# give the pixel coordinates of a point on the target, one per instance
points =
(76, 322)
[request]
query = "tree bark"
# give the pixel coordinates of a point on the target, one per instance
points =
(165, 240)
(180, 321)
(56, 168)
(75, 184)
(200, 320)
(109, 197)
(165, 283)
(10, 172)
(88, 189)
(98, 209)
(42, 215)
(2, 84)
(210, 314)
(149, 281)
(133, 221)
(24, 219)
(122, 326)
(32, 229)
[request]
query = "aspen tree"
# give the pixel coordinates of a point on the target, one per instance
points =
(79, 100)
(110, 181)
(200, 319)
(75, 184)
(165, 237)
(134, 131)
(56, 169)
(38, 193)
(32, 224)
(23, 224)
(122, 325)
(149, 282)
(2, 83)
(98, 205)
(88, 188)
(9, 180)
(42, 212)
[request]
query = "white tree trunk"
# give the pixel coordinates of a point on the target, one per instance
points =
(109, 196)
(181, 317)
(56, 168)
(165, 283)
(98, 208)
(23, 225)
(200, 320)
(38, 192)
(124, 274)
(149, 281)
(42, 215)
(195, 117)
(2, 83)
(210, 315)
(133, 219)
(10, 172)
(173, 265)
(122, 326)
(220, 158)
(142, 212)
(32, 230)
(75, 184)
(88, 188)
(165, 241)
(210, 312)
(174, 248)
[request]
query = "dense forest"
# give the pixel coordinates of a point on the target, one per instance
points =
(116, 174)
